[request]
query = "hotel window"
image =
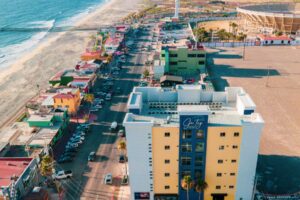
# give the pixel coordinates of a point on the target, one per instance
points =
(221, 147)
(192, 55)
(167, 174)
(163, 55)
(199, 147)
(201, 62)
(173, 63)
(185, 160)
(198, 161)
(220, 161)
(173, 55)
(232, 174)
(236, 134)
(231, 186)
(185, 173)
(219, 174)
(167, 161)
(200, 134)
(167, 134)
(167, 147)
(200, 55)
(222, 134)
(218, 187)
(167, 187)
(234, 146)
(186, 134)
(186, 147)
(61, 100)
(233, 161)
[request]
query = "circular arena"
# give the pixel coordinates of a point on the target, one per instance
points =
(283, 17)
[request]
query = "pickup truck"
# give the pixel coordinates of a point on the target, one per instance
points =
(62, 174)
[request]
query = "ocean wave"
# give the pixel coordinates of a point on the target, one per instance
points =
(10, 53)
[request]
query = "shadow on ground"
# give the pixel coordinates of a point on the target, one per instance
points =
(219, 72)
(278, 174)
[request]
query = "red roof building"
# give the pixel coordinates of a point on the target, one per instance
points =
(23, 170)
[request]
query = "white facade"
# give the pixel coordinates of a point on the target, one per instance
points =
(177, 7)
(158, 69)
(189, 100)
(139, 136)
(252, 128)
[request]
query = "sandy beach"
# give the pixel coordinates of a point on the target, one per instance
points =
(18, 83)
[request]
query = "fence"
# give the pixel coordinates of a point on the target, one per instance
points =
(230, 44)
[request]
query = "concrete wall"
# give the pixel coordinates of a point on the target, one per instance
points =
(248, 159)
(159, 140)
(214, 141)
(190, 95)
(138, 137)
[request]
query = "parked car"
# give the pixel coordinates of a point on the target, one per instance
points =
(92, 156)
(108, 179)
(121, 133)
(122, 159)
(77, 137)
(79, 133)
(93, 109)
(108, 97)
(69, 154)
(125, 180)
(113, 126)
(62, 174)
(72, 145)
(64, 159)
(98, 106)
(75, 141)
(71, 149)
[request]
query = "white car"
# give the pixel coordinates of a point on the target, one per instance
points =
(93, 109)
(108, 97)
(108, 179)
(113, 125)
(77, 137)
(62, 174)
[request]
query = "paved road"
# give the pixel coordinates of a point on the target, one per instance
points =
(88, 177)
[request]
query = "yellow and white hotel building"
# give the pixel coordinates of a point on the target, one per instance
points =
(173, 132)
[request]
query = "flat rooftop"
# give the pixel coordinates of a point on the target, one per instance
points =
(10, 167)
(163, 106)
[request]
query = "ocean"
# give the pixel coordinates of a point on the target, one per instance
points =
(25, 23)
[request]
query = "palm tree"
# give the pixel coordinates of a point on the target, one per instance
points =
(187, 184)
(122, 148)
(200, 186)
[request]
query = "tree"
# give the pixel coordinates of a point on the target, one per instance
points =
(89, 97)
(187, 184)
(46, 165)
(200, 186)
(241, 36)
(146, 73)
(122, 148)
(234, 27)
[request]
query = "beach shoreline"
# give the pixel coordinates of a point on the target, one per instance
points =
(18, 82)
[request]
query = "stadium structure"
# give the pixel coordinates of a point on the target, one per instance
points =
(267, 18)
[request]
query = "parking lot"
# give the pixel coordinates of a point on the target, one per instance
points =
(111, 92)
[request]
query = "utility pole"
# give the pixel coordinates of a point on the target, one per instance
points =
(268, 76)
(244, 50)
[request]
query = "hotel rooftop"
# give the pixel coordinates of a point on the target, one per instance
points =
(162, 106)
